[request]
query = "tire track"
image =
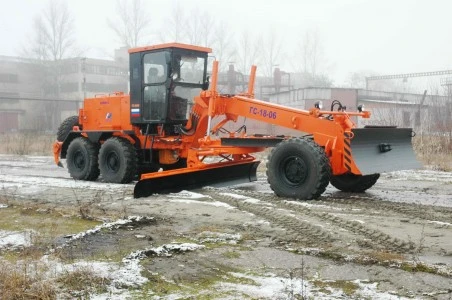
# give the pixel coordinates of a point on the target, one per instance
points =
(424, 212)
(375, 236)
(298, 230)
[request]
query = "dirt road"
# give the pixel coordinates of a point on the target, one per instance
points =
(392, 242)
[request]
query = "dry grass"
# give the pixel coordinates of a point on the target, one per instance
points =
(434, 151)
(383, 256)
(26, 280)
(34, 279)
(23, 272)
(46, 224)
(82, 281)
(26, 143)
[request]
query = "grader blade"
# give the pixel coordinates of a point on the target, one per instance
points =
(383, 149)
(219, 174)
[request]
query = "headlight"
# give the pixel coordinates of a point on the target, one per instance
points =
(318, 104)
(361, 107)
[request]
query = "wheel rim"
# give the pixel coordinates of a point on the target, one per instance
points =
(79, 160)
(112, 162)
(294, 170)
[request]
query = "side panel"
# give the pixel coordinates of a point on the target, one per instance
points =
(106, 113)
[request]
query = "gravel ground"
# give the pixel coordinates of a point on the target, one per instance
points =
(391, 242)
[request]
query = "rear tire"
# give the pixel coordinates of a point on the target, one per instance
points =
(298, 168)
(117, 160)
(354, 183)
(66, 127)
(81, 159)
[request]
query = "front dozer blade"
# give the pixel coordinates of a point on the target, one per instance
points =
(383, 149)
(218, 174)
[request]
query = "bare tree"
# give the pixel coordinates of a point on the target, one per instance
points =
(194, 28)
(53, 36)
(223, 45)
(133, 23)
(270, 53)
(358, 79)
(207, 29)
(200, 28)
(311, 51)
(38, 49)
(247, 52)
(311, 60)
(53, 39)
(174, 26)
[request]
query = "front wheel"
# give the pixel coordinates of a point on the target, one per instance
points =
(81, 159)
(117, 160)
(354, 183)
(298, 168)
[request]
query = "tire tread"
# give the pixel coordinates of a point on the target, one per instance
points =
(321, 160)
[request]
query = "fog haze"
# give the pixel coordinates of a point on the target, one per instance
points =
(382, 36)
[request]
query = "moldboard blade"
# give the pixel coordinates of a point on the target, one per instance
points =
(383, 149)
(185, 179)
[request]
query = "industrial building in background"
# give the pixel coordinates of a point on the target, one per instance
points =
(32, 99)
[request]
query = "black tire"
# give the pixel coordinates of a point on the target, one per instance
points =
(66, 127)
(298, 168)
(81, 159)
(117, 161)
(354, 183)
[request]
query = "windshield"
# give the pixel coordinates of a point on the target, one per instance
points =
(189, 68)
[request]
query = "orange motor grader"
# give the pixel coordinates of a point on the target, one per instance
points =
(169, 133)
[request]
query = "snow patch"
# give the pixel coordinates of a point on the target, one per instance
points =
(236, 196)
(14, 239)
(359, 221)
(30, 185)
(187, 195)
(309, 205)
(212, 203)
(420, 175)
(271, 286)
(254, 223)
(110, 226)
(218, 237)
(164, 250)
(246, 199)
(444, 224)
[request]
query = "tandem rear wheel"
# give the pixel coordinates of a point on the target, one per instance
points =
(81, 159)
(117, 160)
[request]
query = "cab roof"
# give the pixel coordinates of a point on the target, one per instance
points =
(171, 45)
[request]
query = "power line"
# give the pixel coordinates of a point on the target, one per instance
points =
(41, 99)
(409, 75)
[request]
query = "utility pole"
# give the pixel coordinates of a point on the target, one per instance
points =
(83, 69)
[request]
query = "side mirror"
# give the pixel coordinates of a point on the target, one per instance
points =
(205, 85)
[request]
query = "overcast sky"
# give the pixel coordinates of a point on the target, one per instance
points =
(385, 36)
